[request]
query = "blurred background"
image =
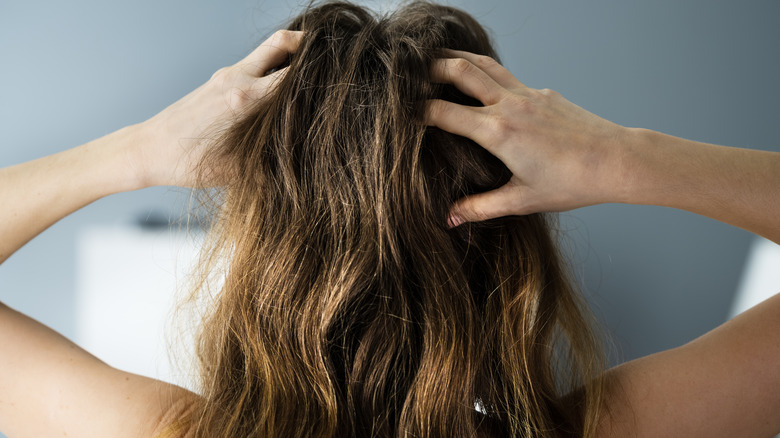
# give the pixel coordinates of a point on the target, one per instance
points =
(706, 70)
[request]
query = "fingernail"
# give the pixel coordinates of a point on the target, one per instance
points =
(454, 220)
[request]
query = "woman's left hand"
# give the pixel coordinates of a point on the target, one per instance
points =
(171, 145)
(561, 156)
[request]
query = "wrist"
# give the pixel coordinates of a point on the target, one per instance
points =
(135, 169)
(120, 154)
(632, 148)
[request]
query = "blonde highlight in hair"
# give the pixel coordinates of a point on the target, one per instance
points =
(349, 308)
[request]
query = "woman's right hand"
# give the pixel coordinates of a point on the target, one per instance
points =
(561, 156)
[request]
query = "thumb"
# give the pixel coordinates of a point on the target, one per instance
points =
(482, 206)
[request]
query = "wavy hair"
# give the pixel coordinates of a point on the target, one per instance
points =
(349, 308)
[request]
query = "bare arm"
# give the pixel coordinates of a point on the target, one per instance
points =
(724, 384)
(37, 194)
(48, 385)
(740, 187)
(563, 157)
(160, 151)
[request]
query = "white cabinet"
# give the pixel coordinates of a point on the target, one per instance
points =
(760, 277)
(128, 281)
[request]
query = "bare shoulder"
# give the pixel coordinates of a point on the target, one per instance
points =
(49, 386)
(141, 407)
(176, 420)
(723, 384)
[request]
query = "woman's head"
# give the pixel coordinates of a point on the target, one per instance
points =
(349, 308)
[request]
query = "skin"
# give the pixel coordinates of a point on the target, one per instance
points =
(48, 385)
(725, 383)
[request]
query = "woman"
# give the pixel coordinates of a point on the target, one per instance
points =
(385, 277)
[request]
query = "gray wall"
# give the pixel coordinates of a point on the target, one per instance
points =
(705, 70)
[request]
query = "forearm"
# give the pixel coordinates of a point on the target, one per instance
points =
(740, 187)
(37, 194)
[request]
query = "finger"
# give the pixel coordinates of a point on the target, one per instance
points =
(466, 121)
(484, 206)
(262, 86)
(468, 78)
(272, 51)
(496, 71)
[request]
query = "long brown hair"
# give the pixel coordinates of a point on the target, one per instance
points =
(349, 308)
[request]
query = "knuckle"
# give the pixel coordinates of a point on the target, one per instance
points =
(282, 37)
(434, 109)
(220, 75)
(502, 126)
(548, 92)
(499, 127)
(238, 98)
(521, 104)
(461, 64)
(434, 112)
(485, 61)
